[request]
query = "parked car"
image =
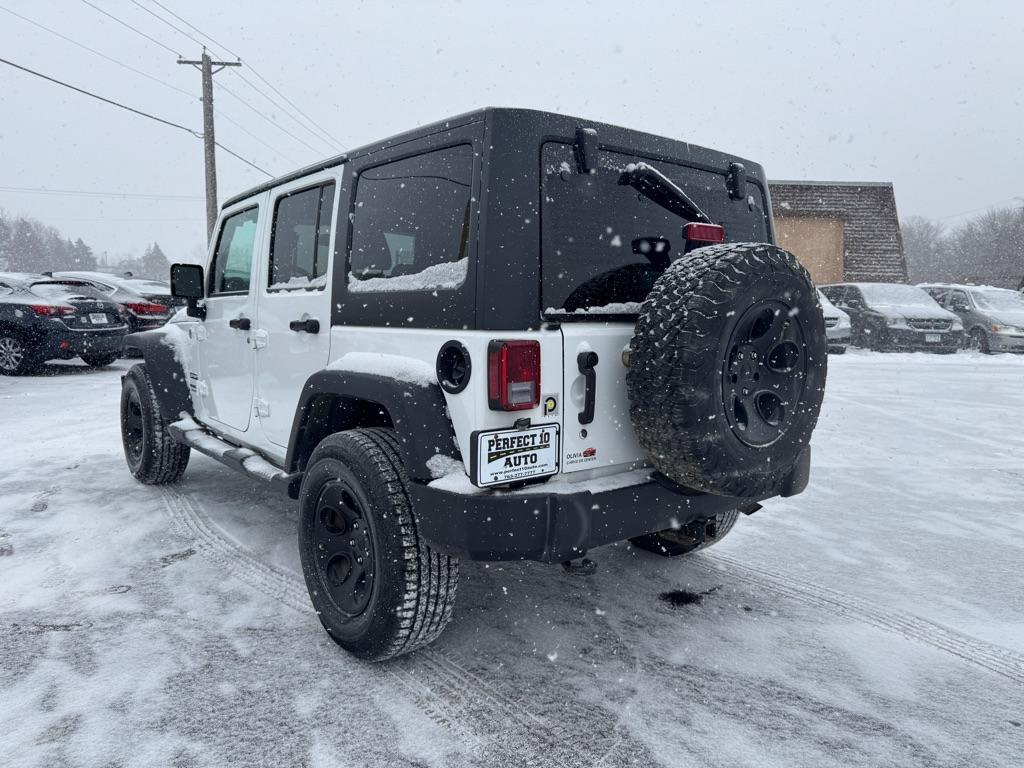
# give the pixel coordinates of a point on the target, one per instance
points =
(896, 317)
(149, 303)
(993, 318)
(43, 318)
(434, 378)
(837, 325)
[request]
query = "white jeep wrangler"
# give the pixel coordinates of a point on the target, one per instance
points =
(510, 335)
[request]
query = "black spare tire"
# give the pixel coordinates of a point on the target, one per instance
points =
(727, 369)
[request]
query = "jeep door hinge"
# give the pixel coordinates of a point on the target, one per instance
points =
(258, 339)
(261, 407)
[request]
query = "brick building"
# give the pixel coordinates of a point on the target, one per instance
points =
(840, 230)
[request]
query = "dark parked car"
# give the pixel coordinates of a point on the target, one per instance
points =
(148, 302)
(43, 318)
(993, 318)
(896, 317)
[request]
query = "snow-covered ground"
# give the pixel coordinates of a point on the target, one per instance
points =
(877, 619)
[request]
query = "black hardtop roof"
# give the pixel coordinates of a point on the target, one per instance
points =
(557, 121)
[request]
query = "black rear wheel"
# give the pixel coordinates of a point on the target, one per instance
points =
(379, 590)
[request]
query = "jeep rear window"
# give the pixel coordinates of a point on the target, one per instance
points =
(410, 223)
(589, 223)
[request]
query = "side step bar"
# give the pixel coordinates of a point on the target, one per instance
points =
(189, 432)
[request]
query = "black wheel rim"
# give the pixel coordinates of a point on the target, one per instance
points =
(343, 548)
(763, 372)
(132, 426)
(11, 353)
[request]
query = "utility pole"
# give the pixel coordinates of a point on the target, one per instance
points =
(206, 66)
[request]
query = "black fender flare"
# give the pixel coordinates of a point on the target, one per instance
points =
(418, 414)
(170, 380)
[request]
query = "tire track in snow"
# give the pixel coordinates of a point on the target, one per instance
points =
(1001, 661)
(502, 730)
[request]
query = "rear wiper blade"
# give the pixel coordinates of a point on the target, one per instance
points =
(660, 189)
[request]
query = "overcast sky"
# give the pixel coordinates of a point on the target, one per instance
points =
(927, 95)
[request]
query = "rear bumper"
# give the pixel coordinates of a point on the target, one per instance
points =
(553, 528)
(838, 334)
(55, 340)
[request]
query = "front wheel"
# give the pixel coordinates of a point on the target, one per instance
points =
(673, 542)
(978, 341)
(379, 590)
(153, 456)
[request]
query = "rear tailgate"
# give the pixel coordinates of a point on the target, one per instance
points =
(608, 438)
(603, 247)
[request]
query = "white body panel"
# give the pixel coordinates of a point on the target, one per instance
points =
(609, 440)
(286, 358)
(225, 354)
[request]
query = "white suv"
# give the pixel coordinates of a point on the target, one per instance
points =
(510, 335)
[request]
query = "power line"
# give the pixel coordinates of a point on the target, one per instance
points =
(129, 109)
(98, 53)
(978, 210)
(271, 101)
(182, 32)
(130, 68)
(335, 144)
(239, 157)
(102, 98)
(133, 29)
(167, 48)
(261, 115)
(253, 136)
(93, 193)
(177, 29)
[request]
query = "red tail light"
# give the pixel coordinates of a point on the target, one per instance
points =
(704, 233)
(513, 375)
(145, 308)
(51, 310)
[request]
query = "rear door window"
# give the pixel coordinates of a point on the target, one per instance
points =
(300, 240)
(410, 223)
(232, 260)
(604, 244)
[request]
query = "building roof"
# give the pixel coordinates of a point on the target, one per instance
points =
(872, 242)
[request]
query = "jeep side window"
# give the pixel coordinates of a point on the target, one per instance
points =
(410, 223)
(300, 239)
(232, 259)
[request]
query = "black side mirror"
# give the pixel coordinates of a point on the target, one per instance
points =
(187, 283)
(960, 306)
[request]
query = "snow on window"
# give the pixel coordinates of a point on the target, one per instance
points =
(615, 308)
(436, 277)
(299, 283)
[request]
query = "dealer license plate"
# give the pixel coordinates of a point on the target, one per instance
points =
(933, 338)
(509, 455)
(98, 318)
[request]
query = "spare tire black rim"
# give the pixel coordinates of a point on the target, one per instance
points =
(344, 556)
(763, 372)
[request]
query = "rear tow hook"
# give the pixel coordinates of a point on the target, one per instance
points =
(582, 566)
